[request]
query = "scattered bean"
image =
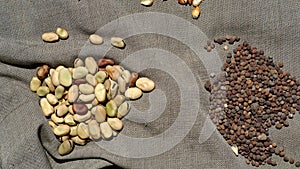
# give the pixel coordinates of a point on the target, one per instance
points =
(133, 93)
(145, 84)
(62, 33)
(96, 39)
(117, 42)
(50, 37)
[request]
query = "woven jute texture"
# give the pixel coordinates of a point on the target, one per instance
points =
(27, 140)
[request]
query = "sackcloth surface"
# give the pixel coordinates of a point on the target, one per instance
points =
(27, 140)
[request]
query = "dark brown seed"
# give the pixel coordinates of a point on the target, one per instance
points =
(269, 161)
(286, 159)
(274, 163)
(218, 41)
(231, 40)
(79, 81)
(207, 86)
(281, 153)
(256, 89)
(133, 79)
(80, 109)
(280, 64)
(291, 161)
(278, 125)
(297, 164)
(286, 123)
(104, 62)
(42, 72)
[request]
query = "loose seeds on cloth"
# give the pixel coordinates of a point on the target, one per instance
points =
(85, 103)
(250, 95)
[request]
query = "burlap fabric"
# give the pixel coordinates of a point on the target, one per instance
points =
(26, 140)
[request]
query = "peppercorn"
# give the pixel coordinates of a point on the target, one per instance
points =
(281, 153)
(278, 125)
(297, 164)
(257, 95)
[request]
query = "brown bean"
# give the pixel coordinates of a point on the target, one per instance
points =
(133, 79)
(43, 72)
(80, 109)
(105, 61)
